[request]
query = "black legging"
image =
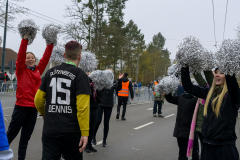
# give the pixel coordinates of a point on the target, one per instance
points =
(93, 118)
(107, 114)
(24, 119)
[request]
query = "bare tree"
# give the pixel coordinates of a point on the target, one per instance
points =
(13, 10)
(81, 22)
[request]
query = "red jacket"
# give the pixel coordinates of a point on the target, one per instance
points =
(29, 81)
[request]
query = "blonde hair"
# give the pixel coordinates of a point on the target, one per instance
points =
(216, 101)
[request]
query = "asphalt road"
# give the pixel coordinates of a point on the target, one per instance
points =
(127, 140)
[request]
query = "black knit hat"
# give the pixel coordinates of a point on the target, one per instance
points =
(125, 74)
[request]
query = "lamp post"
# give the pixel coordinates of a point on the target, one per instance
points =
(4, 38)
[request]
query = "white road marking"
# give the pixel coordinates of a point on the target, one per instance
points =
(169, 115)
(143, 125)
(138, 103)
(5, 119)
(98, 143)
(8, 107)
(149, 109)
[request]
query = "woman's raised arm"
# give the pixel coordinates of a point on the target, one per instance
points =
(197, 91)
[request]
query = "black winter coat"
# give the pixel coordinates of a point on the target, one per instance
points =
(186, 105)
(105, 96)
(217, 130)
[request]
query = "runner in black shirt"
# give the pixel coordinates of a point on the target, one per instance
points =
(66, 91)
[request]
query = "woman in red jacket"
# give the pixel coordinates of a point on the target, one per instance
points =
(29, 79)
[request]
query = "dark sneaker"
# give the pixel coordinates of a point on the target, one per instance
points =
(154, 115)
(92, 149)
(117, 117)
(94, 141)
(123, 119)
(87, 150)
(160, 115)
(104, 144)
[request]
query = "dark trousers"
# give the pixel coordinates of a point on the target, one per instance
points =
(54, 145)
(122, 101)
(93, 119)
(159, 104)
(219, 152)
(107, 114)
(183, 144)
(22, 118)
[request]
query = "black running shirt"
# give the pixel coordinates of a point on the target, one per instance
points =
(62, 84)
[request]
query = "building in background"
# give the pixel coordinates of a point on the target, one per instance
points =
(10, 55)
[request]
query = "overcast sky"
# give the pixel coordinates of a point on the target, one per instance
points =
(175, 19)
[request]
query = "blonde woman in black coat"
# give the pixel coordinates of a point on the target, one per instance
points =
(220, 110)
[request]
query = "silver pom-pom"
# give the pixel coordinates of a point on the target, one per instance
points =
(88, 62)
(27, 26)
(109, 78)
(97, 78)
(238, 32)
(190, 52)
(209, 60)
(167, 85)
(57, 55)
(50, 32)
(174, 70)
(102, 79)
(228, 57)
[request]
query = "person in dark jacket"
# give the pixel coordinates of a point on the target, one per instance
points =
(93, 117)
(123, 96)
(105, 104)
(220, 110)
(2, 78)
(186, 105)
(158, 101)
(135, 87)
(201, 81)
(179, 91)
(7, 77)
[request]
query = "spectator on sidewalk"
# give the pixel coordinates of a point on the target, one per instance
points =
(179, 91)
(2, 78)
(7, 77)
(158, 101)
(135, 87)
